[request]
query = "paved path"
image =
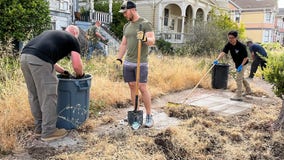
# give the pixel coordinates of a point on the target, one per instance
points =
(217, 100)
(220, 104)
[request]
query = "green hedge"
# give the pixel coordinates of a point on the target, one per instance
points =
(274, 72)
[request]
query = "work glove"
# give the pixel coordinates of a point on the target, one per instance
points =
(215, 62)
(240, 68)
(118, 63)
(66, 74)
(141, 36)
(80, 77)
(105, 41)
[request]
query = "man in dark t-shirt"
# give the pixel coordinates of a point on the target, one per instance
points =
(239, 55)
(39, 65)
(258, 54)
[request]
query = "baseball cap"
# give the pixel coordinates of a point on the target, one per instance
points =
(127, 5)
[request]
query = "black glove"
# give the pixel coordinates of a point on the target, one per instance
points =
(105, 41)
(118, 61)
(80, 77)
(66, 74)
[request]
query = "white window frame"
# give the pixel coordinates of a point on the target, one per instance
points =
(268, 17)
(267, 36)
(64, 6)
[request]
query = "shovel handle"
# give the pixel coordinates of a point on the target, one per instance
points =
(138, 70)
(186, 98)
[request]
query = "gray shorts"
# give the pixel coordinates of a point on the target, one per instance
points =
(129, 72)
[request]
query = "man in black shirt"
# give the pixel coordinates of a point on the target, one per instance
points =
(239, 55)
(39, 65)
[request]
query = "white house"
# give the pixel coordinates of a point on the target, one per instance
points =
(173, 19)
(61, 12)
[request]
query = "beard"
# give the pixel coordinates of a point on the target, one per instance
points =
(130, 18)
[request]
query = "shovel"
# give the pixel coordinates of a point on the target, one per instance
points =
(135, 118)
(187, 96)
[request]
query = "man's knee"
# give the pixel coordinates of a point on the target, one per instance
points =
(132, 85)
(143, 87)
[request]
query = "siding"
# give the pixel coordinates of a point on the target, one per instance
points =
(146, 11)
(255, 35)
(252, 17)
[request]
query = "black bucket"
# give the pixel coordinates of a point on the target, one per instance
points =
(220, 76)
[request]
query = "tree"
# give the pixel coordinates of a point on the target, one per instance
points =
(274, 73)
(208, 38)
(23, 19)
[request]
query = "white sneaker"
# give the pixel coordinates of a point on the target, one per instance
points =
(149, 121)
(236, 98)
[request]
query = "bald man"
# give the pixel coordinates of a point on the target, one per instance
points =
(39, 66)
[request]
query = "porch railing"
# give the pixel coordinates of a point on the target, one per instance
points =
(104, 17)
(173, 37)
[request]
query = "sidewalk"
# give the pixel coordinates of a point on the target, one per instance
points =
(221, 103)
(216, 100)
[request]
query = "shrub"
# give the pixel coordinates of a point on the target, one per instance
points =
(164, 46)
(274, 72)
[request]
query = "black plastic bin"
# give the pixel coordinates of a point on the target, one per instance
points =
(73, 101)
(220, 76)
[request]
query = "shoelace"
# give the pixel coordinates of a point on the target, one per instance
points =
(148, 118)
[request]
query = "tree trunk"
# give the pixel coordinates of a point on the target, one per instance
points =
(279, 123)
(281, 115)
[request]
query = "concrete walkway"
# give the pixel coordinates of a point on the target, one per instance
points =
(217, 101)
(220, 104)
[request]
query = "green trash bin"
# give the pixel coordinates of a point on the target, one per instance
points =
(73, 101)
(220, 76)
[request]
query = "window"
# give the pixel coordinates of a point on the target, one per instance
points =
(172, 27)
(267, 36)
(237, 17)
(166, 17)
(64, 6)
(268, 17)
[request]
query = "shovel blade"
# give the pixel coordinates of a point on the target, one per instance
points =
(135, 119)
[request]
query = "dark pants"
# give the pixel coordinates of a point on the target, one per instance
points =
(99, 48)
(258, 61)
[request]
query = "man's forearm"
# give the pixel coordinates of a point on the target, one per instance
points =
(122, 50)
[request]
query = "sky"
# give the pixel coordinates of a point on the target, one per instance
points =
(281, 3)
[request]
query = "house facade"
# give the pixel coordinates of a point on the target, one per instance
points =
(61, 12)
(258, 17)
(280, 26)
(172, 20)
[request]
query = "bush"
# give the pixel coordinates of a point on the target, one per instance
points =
(164, 46)
(209, 38)
(274, 72)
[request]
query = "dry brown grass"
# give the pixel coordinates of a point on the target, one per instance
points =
(15, 117)
(165, 75)
(201, 136)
